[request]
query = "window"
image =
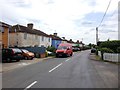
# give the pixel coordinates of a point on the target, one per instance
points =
(36, 37)
(62, 47)
(49, 39)
(42, 38)
(42, 45)
(2, 29)
(25, 35)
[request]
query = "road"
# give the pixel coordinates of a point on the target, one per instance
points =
(77, 71)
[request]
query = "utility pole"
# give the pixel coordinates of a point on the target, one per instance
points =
(97, 35)
(118, 21)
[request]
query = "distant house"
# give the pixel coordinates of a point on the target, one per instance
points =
(56, 40)
(64, 40)
(4, 35)
(79, 44)
(71, 42)
(22, 36)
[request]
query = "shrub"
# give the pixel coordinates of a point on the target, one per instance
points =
(106, 50)
(51, 49)
(113, 45)
(96, 52)
(118, 50)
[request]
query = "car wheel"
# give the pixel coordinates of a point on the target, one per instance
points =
(8, 60)
(30, 58)
(71, 54)
(18, 60)
(26, 58)
(57, 56)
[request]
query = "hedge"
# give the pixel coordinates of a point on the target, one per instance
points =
(113, 45)
(106, 50)
(118, 50)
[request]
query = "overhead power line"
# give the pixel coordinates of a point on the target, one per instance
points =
(105, 12)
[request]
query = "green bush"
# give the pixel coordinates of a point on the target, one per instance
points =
(46, 53)
(106, 50)
(51, 49)
(118, 50)
(113, 45)
(96, 52)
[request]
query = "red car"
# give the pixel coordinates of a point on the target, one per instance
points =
(64, 49)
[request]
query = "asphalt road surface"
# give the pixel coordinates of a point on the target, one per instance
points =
(77, 71)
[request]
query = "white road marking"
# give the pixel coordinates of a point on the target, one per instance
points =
(55, 67)
(24, 64)
(67, 60)
(30, 85)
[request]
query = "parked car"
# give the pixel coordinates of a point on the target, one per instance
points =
(93, 50)
(76, 49)
(64, 50)
(11, 54)
(27, 55)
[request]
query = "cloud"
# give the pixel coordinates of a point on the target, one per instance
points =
(74, 19)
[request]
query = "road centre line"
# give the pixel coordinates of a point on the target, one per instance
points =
(55, 67)
(67, 60)
(30, 85)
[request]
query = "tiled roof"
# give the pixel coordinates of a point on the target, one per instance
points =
(55, 37)
(20, 28)
(71, 42)
(4, 24)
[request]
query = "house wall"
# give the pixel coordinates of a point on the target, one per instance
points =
(31, 40)
(0, 37)
(5, 34)
(64, 42)
(55, 43)
(17, 39)
(45, 41)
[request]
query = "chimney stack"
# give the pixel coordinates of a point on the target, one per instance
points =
(78, 41)
(55, 34)
(70, 39)
(63, 37)
(30, 25)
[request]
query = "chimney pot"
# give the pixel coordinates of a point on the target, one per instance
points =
(30, 25)
(63, 37)
(70, 39)
(55, 34)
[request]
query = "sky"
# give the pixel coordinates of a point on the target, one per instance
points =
(72, 19)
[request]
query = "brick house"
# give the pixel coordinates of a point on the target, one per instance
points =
(4, 35)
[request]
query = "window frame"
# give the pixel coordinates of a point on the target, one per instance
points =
(25, 36)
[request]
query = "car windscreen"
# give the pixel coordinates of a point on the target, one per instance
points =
(62, 47)
(25, 51)
(17, 50)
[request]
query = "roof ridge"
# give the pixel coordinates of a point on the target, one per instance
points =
(22, 28)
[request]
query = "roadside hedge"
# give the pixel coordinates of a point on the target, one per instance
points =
(118, 50)
(106, 50)
(113, 45)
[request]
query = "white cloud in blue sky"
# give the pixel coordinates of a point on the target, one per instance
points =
(74, 19)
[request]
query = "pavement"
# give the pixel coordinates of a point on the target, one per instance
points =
(22, 63)
(92, 56)
(77, 71)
